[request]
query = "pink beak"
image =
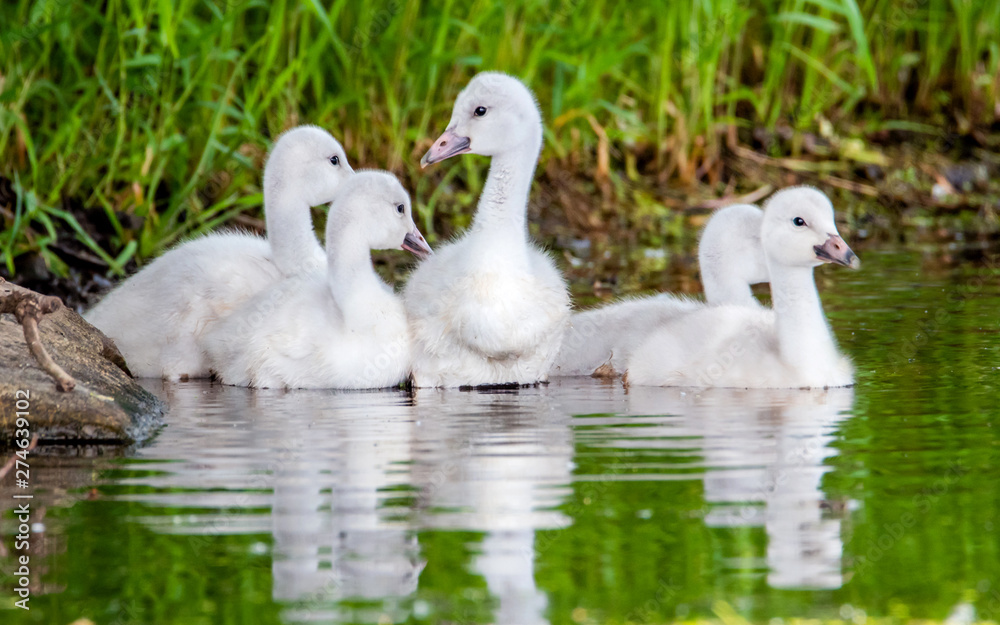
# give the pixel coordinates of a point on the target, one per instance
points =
(447, 145)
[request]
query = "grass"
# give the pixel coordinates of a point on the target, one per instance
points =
(129, 125)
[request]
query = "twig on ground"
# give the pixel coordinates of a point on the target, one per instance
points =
(850, 185)
(29, 308)
(791, 164)
(749, 198)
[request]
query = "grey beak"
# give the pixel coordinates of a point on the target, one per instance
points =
(836, 251)
(415, 243)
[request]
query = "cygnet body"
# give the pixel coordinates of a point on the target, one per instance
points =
(158, 316)
(490, 307)
(599, 341)
(788, 346)
(337, 327)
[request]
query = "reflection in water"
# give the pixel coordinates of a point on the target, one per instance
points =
(344, 481)
(333, 534)
(331, 462)
(764, 464)
(497, 463)
(763, 454)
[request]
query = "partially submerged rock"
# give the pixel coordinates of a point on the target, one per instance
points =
(106, 403)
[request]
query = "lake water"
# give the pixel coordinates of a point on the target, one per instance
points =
(576, 502)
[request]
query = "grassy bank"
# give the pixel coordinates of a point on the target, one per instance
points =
(126, 126)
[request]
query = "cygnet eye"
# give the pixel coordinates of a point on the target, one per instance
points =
(480, 111)
(400, 209)
(335, 160)
(798, 221)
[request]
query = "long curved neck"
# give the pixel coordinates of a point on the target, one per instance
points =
(723, 286)
(804, 337)
(349, 259)
(503, 206)
(289, 228)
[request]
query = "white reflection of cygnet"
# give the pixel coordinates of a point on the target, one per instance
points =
(495, 462)
(764, 453)
(210, 458)
(333, 536)
(324, 462)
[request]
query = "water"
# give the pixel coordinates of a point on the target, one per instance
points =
(572, 503)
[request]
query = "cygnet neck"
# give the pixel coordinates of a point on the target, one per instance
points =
(289, 227)
(724, 286)
(804, 337)
(503, 206)
(348, 255)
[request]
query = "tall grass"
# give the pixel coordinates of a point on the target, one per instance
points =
(157, 114)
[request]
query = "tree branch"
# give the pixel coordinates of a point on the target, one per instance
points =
(29, 308)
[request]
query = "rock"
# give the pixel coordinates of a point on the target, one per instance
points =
(107, 405)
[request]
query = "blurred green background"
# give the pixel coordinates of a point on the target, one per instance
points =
(126, 125)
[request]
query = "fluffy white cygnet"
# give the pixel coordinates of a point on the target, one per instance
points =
(489, 308)
(789, 346)
(338, 327)
(600, 340)
(158, 316)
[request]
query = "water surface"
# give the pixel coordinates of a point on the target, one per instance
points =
(574, 502)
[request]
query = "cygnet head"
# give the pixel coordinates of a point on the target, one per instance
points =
(799, 230)
(376, 203)
(308, 162)
(495, 113)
